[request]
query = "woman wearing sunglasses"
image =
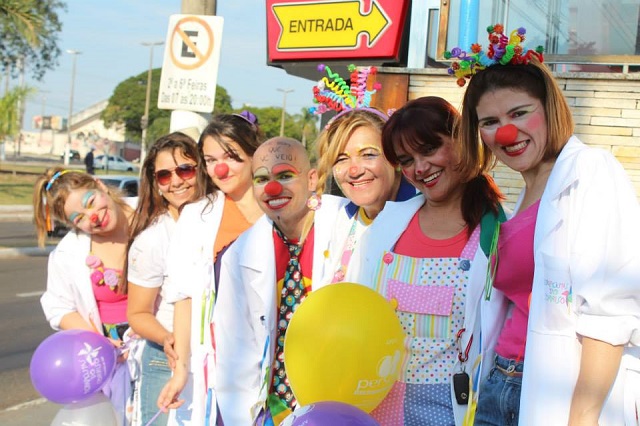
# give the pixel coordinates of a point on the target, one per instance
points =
(171, 177)
(203, 232)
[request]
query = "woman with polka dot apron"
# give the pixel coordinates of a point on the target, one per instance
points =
(427, 256)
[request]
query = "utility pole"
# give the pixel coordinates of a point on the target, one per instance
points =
(284, 107)
(44, 103)
(145, 117)
(67, 147)
(21, 103)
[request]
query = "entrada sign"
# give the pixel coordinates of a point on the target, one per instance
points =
(307, 30)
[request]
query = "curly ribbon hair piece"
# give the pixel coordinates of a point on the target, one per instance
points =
(502, 50)
(333, 93)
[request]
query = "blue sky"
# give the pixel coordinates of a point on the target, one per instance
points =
(109, 35)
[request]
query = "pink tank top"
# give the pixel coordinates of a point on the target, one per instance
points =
(112, 305)
(514, 278)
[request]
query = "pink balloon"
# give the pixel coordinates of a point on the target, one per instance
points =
(329, 413)
(71, 365)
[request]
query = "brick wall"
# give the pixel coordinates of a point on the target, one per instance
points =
(605, 106)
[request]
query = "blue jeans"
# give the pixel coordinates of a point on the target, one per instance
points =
(499, 397)
(154, 374)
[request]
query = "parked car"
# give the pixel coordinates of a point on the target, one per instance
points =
(128, 186)
(73, 155)
(115, 163)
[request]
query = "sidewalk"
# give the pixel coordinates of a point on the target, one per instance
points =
(20, 213)
(39, 412)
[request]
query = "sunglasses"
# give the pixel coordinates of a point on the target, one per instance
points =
(183, 171)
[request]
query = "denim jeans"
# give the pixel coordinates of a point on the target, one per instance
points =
(154, 374)
(499, 397)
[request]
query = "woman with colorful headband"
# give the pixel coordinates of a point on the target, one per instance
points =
(350, 155)
(172, 176)
(427, 256)
(85, 284)
(566, 264)
(205, 229)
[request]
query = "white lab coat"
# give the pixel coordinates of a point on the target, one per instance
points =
(245, 315)
(68, 284)
(383, 235)
(190, 275)
(586, 243)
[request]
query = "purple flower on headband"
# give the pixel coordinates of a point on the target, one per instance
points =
(249, 116)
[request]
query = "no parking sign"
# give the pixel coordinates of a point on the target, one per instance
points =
(191, 61)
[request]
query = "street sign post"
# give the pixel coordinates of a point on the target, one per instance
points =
(191, 61)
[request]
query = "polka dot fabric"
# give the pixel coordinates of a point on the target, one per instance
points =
(423, 394)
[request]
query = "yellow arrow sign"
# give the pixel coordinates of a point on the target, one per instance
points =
(328, 25)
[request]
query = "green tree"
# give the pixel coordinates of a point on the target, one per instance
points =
(29, 29)
(126, 106)
(9, 126)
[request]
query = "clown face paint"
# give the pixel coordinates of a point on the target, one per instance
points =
(363, 173)
(282, 183)
(514, 126)
(233, 177)
(91, 211)
(435, 173)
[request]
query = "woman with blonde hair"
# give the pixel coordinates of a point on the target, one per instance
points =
(350, 156)
(85, 284)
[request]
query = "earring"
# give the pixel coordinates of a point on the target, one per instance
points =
(160, 192)
(314, 202)
(398, 168)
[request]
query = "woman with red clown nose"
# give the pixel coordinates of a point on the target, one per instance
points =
(565, 268)
(204, 230)
(86, 289)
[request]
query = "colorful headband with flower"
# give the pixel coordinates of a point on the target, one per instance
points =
(333, 93)
(502, 50)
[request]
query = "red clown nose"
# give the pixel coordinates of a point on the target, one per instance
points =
(94, 218)
(506, 135)
(221, 170)
(273, 188)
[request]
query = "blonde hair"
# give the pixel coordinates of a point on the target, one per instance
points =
(334, 138)
(51, 192)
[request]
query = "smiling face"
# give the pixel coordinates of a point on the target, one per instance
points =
(283, 182)
(178, 190)
(434, 172)
(513, 125)
(229, 168)
(91, 211)
(363, 173)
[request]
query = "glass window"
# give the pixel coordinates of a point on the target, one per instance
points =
(577, 28)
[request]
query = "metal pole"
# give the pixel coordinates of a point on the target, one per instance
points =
(21, 103)
(284, 107)
(44, 103)
(75, 54)
(145, 117)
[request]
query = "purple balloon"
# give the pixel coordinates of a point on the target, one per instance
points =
(71, 365)
(329, 413)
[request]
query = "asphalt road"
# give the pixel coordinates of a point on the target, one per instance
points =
(23, 325)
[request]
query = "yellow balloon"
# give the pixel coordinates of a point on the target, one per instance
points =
(344, 343)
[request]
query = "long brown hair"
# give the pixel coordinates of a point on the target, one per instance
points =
(151, 204)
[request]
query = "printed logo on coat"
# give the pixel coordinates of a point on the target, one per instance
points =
(558, 293)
